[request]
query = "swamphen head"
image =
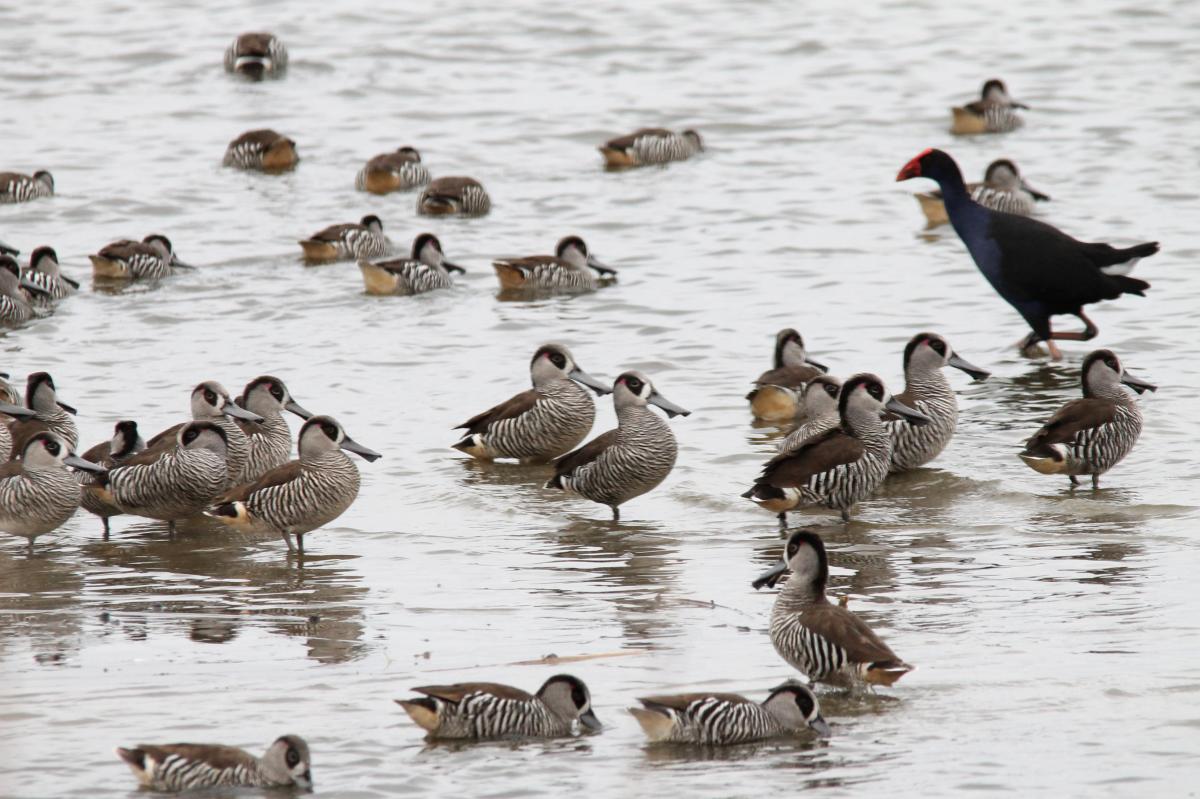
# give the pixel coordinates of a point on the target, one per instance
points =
(932, 164)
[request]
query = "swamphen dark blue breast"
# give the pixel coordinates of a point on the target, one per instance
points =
(1040, 270)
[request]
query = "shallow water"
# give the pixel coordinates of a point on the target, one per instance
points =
(1054, 631)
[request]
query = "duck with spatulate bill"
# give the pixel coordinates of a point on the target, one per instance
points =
(776, 392)
(1038, 269)
(1003, 189)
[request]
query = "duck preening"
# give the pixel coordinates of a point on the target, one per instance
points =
(1038, 269)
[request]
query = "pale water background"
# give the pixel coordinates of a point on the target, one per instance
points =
(1056, 634)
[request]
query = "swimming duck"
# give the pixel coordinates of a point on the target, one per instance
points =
(993, 112)
(571, 268)
(426, 270)
(485, 710)
(37, 493)
(776, 392)
(44, 272)
(184, 767)
(269, 441)
(650, 146)
(257, 56)
(210, 402)
(927, 389)
(1036, 268)
(347, 241)
(262, 150)
(390, 172)
(841, 467)
(1091, 435)
(542, 423)
(1002, 189)
(303, 494)
(15, 293)
(48, 413)
(454, 195)
(109, 454)
(723, 719)
(18, 188)
(151, 258)
(827, 642)
(820, 406)
(629, 461)
(173, 478)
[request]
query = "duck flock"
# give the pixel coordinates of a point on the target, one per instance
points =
(232, 461)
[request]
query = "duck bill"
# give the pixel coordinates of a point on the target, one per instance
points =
(1037, 195)
(911, 170)
(821, 727)
(671, 408)
(350, 445)
(178, 264)
(453, 267)
(590, 722)
(816, 364)
(295, 408)
(67, 408)
(238, 412)
(34, 289)
(1015, 104)
(971, 369)
(599, 266)
(910, 415)
(583, 378)
(16, 411)
(1137, 384)
(82, 465)
(771, 576)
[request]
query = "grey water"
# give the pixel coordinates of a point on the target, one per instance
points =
(1055, 632)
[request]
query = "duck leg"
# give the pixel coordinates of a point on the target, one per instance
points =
(105, 520)
(1095, 481)
(782, 516)
(845, 514)
(287, 539)
(1073, 479)
(616, 513)
(300, 544)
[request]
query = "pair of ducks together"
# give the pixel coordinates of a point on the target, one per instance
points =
(24, 293)
(546, 422)
(826, 641)
(571, 268)
(229, 462)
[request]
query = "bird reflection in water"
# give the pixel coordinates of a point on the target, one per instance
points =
(220, 581)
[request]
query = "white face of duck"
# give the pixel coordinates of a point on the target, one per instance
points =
(928, 352)
(795, 706)
(323, 434)
(1103, 376)
(1003, 175)
(373, 224)
(863, 396)
(45, 260)
(634, 390)
(288, 760)
(210, 400)
(821, 396)
(572, 250)
(555, 362)
(202, 435)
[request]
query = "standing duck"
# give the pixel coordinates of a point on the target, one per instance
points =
(993, 112)
(1002, 189)
(571, 268)
(841, 467)
(487, 710)
(629, 461)
(725, 719)
(927, 389)
(1038, 269)
(426, 270)
(826, 642)
(211, 403)
(109, 454)
(388, 172)
(49, 413)
(347, 242)
(775, 396)
(184, 767)
(173, 478)
(44, 272)
(37, 493)
(303, 494)
(269, 441)
(650, 146)
(151, 258)
(257, 56)
(262, 150)
(820, 411)
(541, 423)
(454, 195)
(1091, 435)
(15, 308)
(18, 188)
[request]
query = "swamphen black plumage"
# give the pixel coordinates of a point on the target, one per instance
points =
(1037, 268)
